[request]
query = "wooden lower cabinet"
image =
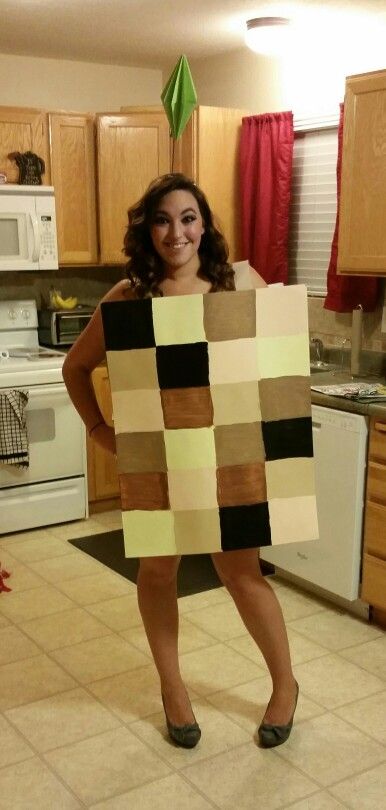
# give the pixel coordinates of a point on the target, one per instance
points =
(374, 557)
(103, 484)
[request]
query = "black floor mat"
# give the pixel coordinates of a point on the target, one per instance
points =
(196, 572)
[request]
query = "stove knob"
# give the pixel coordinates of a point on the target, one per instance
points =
(25, 313)
(12, 314)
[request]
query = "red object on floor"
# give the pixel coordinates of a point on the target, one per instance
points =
(4, 575)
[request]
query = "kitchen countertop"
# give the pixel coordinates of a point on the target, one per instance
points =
(342, 403)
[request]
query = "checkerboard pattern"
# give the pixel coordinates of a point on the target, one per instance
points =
(212, 415)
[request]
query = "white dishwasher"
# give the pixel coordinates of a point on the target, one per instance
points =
(333, 561)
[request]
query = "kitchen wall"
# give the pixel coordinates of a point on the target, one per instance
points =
(26, 81)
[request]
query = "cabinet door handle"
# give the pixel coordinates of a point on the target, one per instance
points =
(381, 426)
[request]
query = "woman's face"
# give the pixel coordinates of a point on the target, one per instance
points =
(176, 231)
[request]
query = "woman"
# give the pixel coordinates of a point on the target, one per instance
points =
(174, 248)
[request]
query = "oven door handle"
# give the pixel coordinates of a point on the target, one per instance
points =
(39, 391)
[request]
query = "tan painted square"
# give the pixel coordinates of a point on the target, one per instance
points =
(197, 530)
(105, 765)
(14, 645)
(99, 658)
(368, 714)
(331, 681)
(12, 746)
(32, 786)
(34, 602)
(290, 477)
(239, 444)
(246, 704)
(96, 588)
(337, 630)
(119, 613)
(132, 368)
(233, 361)
(327, 749)
(73, 626)
(370, 656)
(215, 668)
(219, 734)
(141, 452)
(230, 317)
(31, 679)
(169, 793)
(236, 402)
(130, 695)
(366, 791)
(62, 719)
(290, 302)
(249, 778)
(286, 397)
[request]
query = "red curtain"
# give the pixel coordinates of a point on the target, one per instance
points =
(344, 293)
(266, 151)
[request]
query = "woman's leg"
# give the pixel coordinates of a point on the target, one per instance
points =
(261, 613)
(157, 600)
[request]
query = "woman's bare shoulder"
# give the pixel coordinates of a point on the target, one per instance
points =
(122, 291)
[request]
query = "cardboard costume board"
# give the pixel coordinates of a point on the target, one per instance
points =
(212, 415)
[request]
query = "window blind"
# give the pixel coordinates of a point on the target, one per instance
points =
(313, 207)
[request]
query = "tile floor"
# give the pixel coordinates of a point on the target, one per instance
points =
(81, 722)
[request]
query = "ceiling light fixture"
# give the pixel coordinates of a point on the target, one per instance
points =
(267, 35)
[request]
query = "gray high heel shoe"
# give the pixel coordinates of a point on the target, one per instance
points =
(186, 736)
(271, 735)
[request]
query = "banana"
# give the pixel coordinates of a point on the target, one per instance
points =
(65, 303)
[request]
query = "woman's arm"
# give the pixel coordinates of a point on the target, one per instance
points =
(85, 355)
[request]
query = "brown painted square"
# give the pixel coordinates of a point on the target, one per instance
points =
(284, 398)
(241, 484)
(239, 444)
(147, 491)
(229, 317)
(187, 407)
(141, 452)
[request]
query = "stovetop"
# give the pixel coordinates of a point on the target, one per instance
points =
(23, 362)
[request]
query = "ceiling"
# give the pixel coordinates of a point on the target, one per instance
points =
(153, 33)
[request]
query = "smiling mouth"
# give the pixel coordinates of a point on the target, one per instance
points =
(176, 245)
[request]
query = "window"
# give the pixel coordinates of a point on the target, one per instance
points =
(313, 207)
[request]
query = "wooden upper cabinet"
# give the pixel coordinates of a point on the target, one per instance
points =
(362, 210)
(23, 130)
(208, 151)
(73, 178)
(133, 149)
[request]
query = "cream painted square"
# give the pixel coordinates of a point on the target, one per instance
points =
(190, 449)
(282, 310)
(135, 411)
(192, 489)
(178, 320)
(283, 356)
(232, 361)
(293, 519)
(148, 534)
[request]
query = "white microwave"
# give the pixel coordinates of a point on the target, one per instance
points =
(28, 239)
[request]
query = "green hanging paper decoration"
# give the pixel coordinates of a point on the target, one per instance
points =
(179, 97)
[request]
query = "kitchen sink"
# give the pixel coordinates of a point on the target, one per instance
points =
(319, 366)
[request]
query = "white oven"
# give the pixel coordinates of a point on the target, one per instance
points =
(52, 489)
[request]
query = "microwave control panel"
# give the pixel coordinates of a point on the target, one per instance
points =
(48, 253)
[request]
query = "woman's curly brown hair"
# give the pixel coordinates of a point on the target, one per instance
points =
(144, 268)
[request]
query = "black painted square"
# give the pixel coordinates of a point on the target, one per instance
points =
(245, 526)
(183, 366)
(128, 324)
(288, 438)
